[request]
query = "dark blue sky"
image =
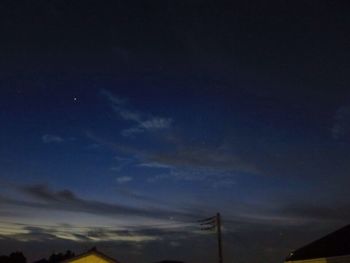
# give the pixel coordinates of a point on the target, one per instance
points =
(122, 123)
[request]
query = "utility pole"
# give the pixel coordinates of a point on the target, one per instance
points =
(218, 226)
(210, 224)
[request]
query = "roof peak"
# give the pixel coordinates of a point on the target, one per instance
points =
(94, 251)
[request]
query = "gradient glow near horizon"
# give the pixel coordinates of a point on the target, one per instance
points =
(122, 125)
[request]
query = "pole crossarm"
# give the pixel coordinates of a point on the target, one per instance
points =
(211, 223)
(207, 219)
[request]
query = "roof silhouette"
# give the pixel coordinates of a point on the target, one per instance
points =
(334, 244)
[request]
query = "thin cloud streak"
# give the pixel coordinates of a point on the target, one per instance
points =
(27, 232)
(45, 198)
(124, 179)
(186, 163)
(143, 122)
(112, 98)
(51, 138)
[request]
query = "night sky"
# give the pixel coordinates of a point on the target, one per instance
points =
(124, 122)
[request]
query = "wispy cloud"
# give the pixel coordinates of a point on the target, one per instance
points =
(213, 177)
(142, 121)
(214, 166)
(124, 179)
(51, 138)
(42, 197)
(129, 115)
(241, 225)
(249, 240)
(112, 98)
(156, 123)
(188, 163)
(24, 232)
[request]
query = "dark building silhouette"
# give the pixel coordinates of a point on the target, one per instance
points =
(334, 247)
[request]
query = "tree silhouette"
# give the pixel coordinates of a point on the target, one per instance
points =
(15, 257)
(56, 258)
